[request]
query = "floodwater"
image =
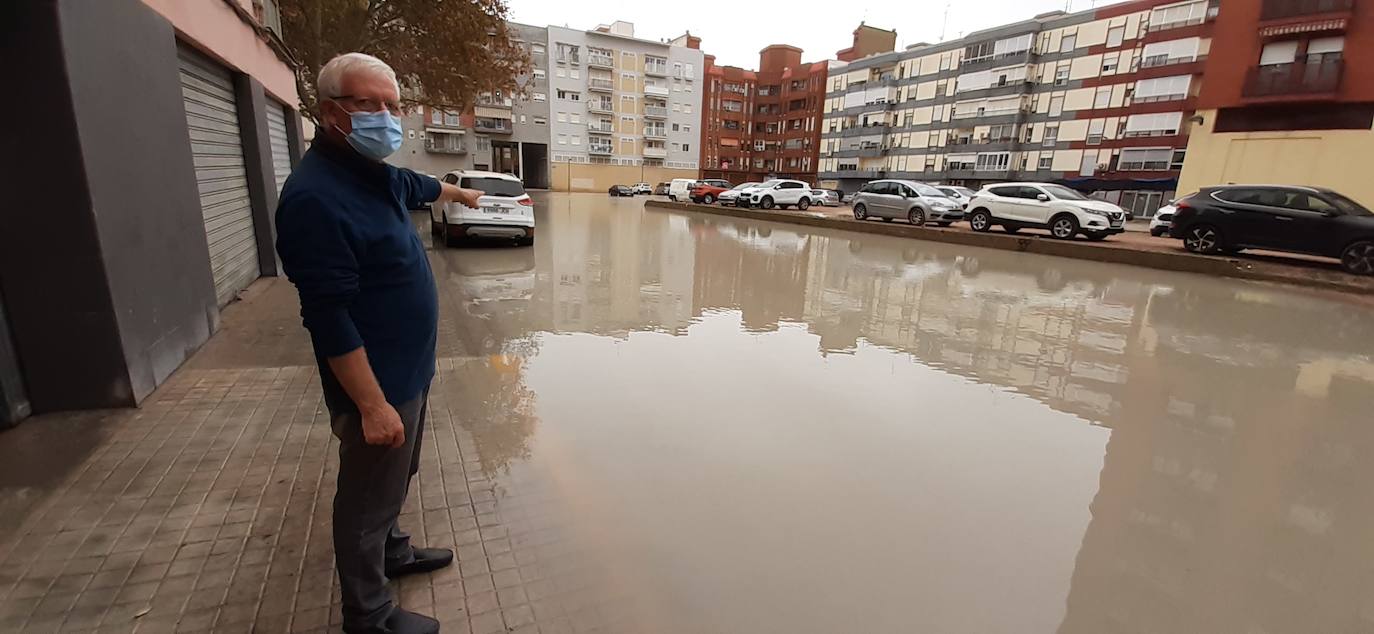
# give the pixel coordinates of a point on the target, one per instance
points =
(720, 425)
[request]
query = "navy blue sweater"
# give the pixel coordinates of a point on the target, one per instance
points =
(346, 242)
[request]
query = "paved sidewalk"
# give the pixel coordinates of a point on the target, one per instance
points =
(209, 507)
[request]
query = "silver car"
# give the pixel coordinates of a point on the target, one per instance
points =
(827, 197)
(914, 202)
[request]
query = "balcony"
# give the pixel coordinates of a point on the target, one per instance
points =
(655, 90)
(596, 149)
(656, 69)
(1284, 9)
(600, 127)
(1294, 80)
(602, 107)
(569, 57)
(600, 60)
(655, 112)
(600, 85)
(655, 133)
(494, 126)
(445, 143)
(1164, 60)
(655, 152)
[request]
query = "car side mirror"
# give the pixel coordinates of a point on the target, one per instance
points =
(1044, 198)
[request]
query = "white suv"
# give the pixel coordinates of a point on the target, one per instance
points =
(1063, 211)
(777, 193)
(504, 210)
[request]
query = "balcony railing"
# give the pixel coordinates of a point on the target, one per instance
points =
(600, 106)
(1280, 9)
(1293, 79)
(492, 125)
(606, 85)
(656, 69)
(658, 91)
(655, 152)
(598, 59)
(494, 102)
(600, 127)
(656, 112)
(445, 144)
(655, 133)
(1165, 60)
(599, 150)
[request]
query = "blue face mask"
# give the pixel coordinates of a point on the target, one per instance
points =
(375, 135)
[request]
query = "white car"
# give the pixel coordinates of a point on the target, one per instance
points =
(778, 192)
(1162, 220)
(1063, 211)
(642, 188)
(728, 196)
(680, 189)
(504, 211)
(956, 193)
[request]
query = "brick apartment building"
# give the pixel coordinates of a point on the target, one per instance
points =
(1287, 98)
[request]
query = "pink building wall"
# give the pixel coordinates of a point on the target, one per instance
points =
(217, 30)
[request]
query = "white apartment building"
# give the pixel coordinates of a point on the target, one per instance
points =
(622, 110)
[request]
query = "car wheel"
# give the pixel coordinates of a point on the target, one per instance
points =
(860, 212)
(1204, 239)
(450, 240)
(803, 204)
(1064, 227)
(767, 202)
(917, 217)
(1010, 229)
(1157, 231)
(1358, 258)
(980, 220)
(708, 199)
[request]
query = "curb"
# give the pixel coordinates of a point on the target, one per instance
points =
(1162, 260)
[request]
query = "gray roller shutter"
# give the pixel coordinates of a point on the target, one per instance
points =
(217, 150)
(281, 153)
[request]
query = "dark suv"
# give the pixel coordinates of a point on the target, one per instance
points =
(1311, 220)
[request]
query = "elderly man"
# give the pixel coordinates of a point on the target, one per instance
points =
(369, 301)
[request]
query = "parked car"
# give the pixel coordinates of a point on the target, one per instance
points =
(642, 188)
(1159, 224)
(827, 197)
(661, 189)
(914, 202)
(958, 194)
(708, 191)
(1063, 211)
(1310, 220)
(728, 196)
(504, 210)
(680, 188)
(621, 190)
(778, 192)
(848, 199)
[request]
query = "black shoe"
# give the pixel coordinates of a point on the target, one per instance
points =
(401, 622)
(423, 560)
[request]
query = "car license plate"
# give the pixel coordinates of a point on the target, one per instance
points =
(493, 210)
(1116, 222)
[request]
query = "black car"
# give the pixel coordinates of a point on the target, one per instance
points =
(1311, 220)
(621, 190)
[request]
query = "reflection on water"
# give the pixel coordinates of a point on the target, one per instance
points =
(759, 428)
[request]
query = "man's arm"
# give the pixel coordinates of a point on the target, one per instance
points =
(428, 189)
(381, 424)
(452, 193)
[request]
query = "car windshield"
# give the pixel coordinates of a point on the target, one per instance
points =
(1063, 193)
(743, 185)
(927, 190)
(495, 186)
(948, 191)
(1346, 205)
(968, 193)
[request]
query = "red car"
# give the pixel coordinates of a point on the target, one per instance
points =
(707, 191)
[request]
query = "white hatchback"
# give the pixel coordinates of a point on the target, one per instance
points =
(1063, 211)
(505, 210)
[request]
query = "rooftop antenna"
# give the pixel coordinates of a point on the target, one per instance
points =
(944, 26)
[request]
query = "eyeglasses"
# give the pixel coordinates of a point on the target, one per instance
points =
(371, 105)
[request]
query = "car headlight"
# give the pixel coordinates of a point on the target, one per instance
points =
(1095, 212)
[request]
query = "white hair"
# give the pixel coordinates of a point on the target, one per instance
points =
(329, 83)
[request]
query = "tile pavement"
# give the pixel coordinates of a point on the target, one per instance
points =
(208, 508)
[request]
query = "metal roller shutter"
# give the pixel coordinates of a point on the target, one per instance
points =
(217, 150)
(281, 153)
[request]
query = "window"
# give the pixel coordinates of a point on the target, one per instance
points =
(1279, 53)
(1115, 36)
(686, 147)
(1061, 75)
(541, 121)
(1162, 88)
(1325, 49)
(686, 108)
(1103, 97)
(1009, 191)
(1068, 43)
(436, 116)
(1110, 62)
(451, 118)
(540, 73)
(1177, 15)
(1160, 124)
(686, 128)
(1170, 52)
(1046, 162)
(560, 71)
(993, 161)
(1176, 163)
(675, 127)
(1136, 158)
(1095, 128)
(562, 117)
(569, 95)
(574, 118)
(562, 139)
(576, 139)
(1051, 135)
(1056, 105)
(539, 96)
(537, 49)
(1060, 192)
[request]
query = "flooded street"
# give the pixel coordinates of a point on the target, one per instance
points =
(704, 424)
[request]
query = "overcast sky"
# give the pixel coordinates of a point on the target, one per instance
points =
(735, 30)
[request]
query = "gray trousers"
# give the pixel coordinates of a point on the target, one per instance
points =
(373, 482)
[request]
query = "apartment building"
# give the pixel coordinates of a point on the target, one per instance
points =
(622, 109)
(766, 123)
(502, 133)
(1101, 100)
(1286, 99)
